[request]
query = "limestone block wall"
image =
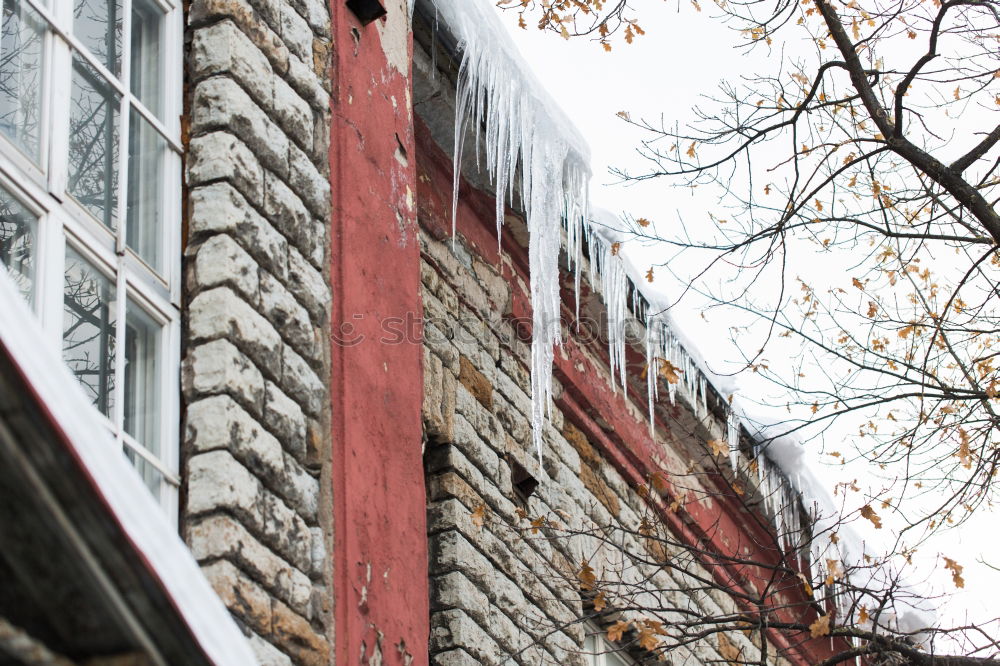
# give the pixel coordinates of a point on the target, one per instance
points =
(500, 593)
(255, 369)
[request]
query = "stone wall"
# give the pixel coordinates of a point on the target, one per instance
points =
(255, 370)
(500, 590)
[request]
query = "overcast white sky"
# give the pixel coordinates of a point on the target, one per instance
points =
(682, 57)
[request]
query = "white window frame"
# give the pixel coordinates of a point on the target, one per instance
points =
(42, 189)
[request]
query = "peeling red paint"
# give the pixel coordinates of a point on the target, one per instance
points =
(380, 535)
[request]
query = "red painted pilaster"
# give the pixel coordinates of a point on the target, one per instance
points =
(380, 538)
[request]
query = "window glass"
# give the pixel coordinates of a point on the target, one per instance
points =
(93, 144)
(21, 41)
(142, 372)
(18, 231)
(142, 390)
(146, 58)
(89, 329)
(114, 210)
(147, 151)
(98, 26)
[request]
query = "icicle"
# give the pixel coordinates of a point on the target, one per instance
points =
(514, 122)
(652, 368)
(733, 437)
(613, 286)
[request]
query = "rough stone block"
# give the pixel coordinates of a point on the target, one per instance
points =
(221, 261)
(291, 319)
(267, 654)
(218, 367)
(302, 78)
(599, 489)
(318, 552)
(294, 633)
(242, 596)
(221, 156)
(217, 482)
(455, 629)
(477, 383)
(249, 21)
(219, 423)
(286, 419)
(220, 104)
(293, 114)
(220, 313)
(457, 657)
(308, 182)
(219, 208)
(295, 32)
(222, 48)
(438, 407)
(302, 383)
(308, 286)
(220, 536)
(316, 13)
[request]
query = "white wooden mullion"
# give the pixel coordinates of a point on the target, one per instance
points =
(124, 118)
(58, 128)
(172, 141)
(168, 475)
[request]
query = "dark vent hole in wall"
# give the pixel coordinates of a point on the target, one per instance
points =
(523, 483)
(366, 10)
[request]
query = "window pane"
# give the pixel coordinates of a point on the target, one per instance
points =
(142, 383)
(144, 217)
(21, 37)
(18, 229)
(89, 329)
(145, 62)
(150, 475)
(98, 26)
(93, 144)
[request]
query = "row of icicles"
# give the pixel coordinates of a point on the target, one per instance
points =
(529, 147)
